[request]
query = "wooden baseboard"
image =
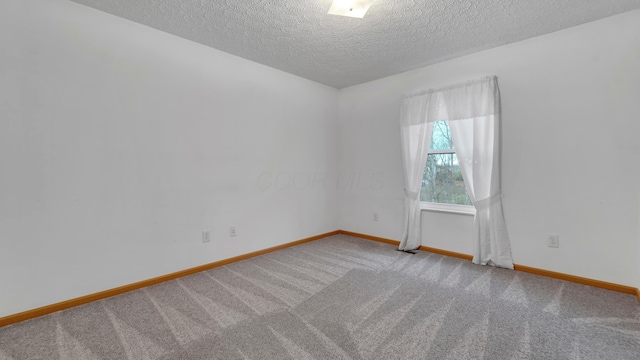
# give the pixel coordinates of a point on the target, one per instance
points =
(531, 270)
(396, 243)
(447, 253)
(30, 314)
(577, 279)
(369, 237)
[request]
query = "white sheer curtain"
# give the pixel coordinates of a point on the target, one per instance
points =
(416, 140)
(473, 112)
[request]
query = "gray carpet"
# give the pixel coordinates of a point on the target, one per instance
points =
(342, 298)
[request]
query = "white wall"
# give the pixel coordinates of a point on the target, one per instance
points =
(119, 144)
(571, 140)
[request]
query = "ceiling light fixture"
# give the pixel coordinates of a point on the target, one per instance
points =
(350, 8)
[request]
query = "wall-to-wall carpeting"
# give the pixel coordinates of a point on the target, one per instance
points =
(342, 298)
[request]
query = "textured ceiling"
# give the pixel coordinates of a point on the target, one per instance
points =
(297, 36)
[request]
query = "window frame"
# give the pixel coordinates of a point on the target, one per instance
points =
(445, 207)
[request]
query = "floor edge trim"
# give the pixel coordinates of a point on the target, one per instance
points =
(63, 305)
(528, 269)
(48, 309)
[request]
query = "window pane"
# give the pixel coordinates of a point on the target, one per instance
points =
(441, 136)
(442, 181)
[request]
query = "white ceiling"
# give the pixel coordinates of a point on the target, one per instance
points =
(297, 36)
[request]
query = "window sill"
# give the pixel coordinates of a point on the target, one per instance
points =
(448, 208)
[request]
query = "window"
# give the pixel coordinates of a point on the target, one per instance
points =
(442, 181)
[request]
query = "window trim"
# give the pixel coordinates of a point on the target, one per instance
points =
(448, 208)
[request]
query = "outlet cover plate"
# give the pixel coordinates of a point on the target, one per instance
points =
(553, 241)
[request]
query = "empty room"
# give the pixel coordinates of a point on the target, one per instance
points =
(318, 179)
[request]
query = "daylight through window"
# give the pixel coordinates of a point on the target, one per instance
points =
(442, 180)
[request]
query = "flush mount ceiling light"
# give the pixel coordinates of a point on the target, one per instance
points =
(350, 8)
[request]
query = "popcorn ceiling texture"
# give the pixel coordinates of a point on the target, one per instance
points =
(297, 36)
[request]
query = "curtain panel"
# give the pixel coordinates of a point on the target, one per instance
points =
(472, 110)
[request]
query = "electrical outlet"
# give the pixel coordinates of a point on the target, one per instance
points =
(553, 241)
(206, 236)
(375, 216)
(232, 231)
